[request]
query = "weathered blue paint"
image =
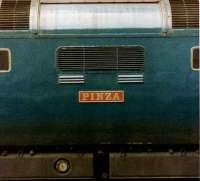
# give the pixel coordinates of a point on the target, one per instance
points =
(36, 110)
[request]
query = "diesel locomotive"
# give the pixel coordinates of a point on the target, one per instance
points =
(99, 89)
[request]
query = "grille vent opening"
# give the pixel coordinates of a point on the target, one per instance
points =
(185, 13)
(83, 59)
(14, 14)
(74, 62)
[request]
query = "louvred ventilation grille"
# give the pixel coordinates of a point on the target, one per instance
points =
(185, 13)
(100, 58)
(14, 14)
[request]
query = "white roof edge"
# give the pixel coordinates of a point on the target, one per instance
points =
(99, 1)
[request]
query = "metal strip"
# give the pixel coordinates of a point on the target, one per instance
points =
(34, 16)
(166, 15)
(169, 13)
(98, 1)
(129, 76)
(71, 79)
(129, 81)
(71, 76)
(137, 78)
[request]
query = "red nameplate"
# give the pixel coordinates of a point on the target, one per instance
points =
(101, 96)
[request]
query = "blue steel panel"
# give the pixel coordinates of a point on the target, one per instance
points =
(34, 109)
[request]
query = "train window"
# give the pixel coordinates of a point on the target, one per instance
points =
(195, 58)
(5, 60)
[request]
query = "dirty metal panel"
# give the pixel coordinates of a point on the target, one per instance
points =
(145, 165)
(45, 166)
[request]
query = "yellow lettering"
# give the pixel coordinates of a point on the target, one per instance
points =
(116, 97)
(92, 96)
(108, 96)
(100, 96)
(85, 96)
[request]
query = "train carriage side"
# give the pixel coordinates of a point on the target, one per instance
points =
(117, 81)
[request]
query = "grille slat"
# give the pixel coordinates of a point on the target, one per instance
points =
(134, 78)
(71, 79)
(100, 58)
(185, 13)
(14, 14)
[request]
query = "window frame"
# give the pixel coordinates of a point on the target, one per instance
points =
(9, 60)
(191, 61)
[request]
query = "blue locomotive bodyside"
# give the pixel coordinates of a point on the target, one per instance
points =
(35, 109)
(99, 89)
